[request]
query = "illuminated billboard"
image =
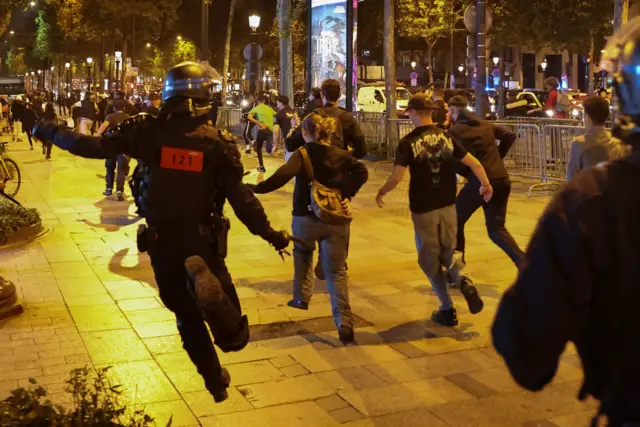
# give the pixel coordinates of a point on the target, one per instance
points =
(332, 46)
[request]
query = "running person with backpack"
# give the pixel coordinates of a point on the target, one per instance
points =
(336, 175)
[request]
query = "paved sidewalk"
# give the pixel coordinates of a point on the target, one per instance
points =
(91, 299)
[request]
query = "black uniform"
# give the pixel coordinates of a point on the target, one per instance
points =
(352, 135)
(189, 173)
(580, 281)
(479, 137)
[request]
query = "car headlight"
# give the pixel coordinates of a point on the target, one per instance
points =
(244, 103)
(575, 113)
(550, 113)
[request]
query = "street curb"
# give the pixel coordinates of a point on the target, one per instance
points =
(25, 235)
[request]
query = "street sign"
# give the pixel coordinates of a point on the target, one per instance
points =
(413, 75)
(414, 82)
(470, 19)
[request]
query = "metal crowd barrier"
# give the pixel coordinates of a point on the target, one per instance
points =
(373, 127)
(557, 148)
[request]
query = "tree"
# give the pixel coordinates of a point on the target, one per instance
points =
(621, 14)
(42, 47)
(429, 20)
(227, 49)
(297, 33)
(183, 50)
(16, 61)
(390, 64)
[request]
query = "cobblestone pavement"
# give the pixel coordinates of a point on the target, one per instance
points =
(91, 300)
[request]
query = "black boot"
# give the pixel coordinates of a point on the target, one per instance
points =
(229, 328)
(219, 390)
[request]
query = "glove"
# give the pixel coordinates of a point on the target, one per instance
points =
(44, 131)
(278, 239)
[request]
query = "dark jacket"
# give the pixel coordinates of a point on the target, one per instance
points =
(17, 109)
(332, 167)
(29, 118)
(351, 133)
(312, 105)
(580, 282)
(221, 169)
(479, 138)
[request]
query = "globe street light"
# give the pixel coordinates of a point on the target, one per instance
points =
(12, 32)
(254, 22)
(179, 38)
(89, 62)
(544, 65)
(461, 68)
(413, 65)
(496, 60)
(32, 4)
(148, 44)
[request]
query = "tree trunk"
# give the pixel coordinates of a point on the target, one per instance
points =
(591, 66)
(123, 65)
(517, 65)
(430, 61)
(286, 51)
(227, 50)
(620, 14)
(390, 67)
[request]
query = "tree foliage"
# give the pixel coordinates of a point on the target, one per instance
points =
(42, 47)
(183, 50)
(429, 20)
(15, 61)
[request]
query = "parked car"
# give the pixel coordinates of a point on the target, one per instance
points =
(372, 98)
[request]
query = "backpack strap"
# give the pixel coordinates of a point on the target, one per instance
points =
(307, 163)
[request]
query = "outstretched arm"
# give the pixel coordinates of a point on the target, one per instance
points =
(392, 182)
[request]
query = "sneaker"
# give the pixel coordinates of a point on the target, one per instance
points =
(32, 148)
(48, 157)
(319, 272)
(471, 295)
(107, 192)
(300, 305)
(445, 317)
(44, 149)
(345, 333)
(120, 195)
(220, 394)
(247, 149)
(261, 169)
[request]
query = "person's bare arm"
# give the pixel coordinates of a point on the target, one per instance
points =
(392, 182)
(252, 119)
(476, 167)
(103, 128)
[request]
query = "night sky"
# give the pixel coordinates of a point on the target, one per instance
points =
(190, 14)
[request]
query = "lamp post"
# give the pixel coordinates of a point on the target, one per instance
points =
(253, 53)
(118, 56)
(413, 65)
(68, 68)
(39, 80)
(89, 80)
(496, 60)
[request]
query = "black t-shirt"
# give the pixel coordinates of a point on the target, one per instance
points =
(431, 156)
(283, 119)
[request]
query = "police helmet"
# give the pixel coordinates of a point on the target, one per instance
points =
(187, 80)
(621, 59)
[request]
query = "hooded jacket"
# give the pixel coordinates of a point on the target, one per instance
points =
(479, 138)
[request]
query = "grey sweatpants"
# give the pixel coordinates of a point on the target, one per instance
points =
(436, 239)
(333, 241)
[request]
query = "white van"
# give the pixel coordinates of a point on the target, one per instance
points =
(372, 99)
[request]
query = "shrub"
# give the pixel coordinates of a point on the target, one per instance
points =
(14, 217)
(95, 403)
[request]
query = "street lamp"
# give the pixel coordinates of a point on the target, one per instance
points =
(179, 38)
(544, 65)
(118, 55)
(148, 44)
(12, 32)
(496, 60)
(89, 62)
(413, 65)
(461, 68)
(254, 22)
(32, 4)
(68, 66)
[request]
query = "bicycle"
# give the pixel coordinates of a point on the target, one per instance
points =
(10, 176)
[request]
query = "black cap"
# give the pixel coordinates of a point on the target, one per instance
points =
(458, 101)
(283, 99)
(421, 102)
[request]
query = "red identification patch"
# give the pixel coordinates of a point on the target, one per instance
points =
(184, 160)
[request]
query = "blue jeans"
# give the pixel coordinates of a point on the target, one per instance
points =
(436, 238)
(333, 241)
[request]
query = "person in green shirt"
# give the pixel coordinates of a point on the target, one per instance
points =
(262, 116)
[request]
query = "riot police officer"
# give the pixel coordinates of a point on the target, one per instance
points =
(190, 170)
(579, 280)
